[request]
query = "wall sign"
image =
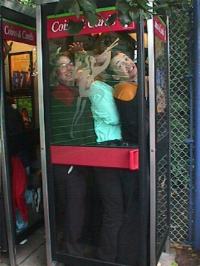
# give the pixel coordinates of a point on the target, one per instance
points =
(19, 33)
(57, 26)
(160, 29)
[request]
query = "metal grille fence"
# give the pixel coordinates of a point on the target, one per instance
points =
(162, 201)
(162, 130)
(180, 67)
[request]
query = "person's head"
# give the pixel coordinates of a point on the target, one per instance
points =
(123, 67)
(24, 112)
(64, 69)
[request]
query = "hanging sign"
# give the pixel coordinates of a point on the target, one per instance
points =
(19, 33)
(57, 26)
(160, 29)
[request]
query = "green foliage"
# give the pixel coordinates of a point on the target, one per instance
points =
(74, 27)
(128, 10)
(111, 19)
(77, 7)
(27, 2)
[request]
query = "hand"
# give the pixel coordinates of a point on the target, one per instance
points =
(106, 55)
(102, 58)
(76, 47)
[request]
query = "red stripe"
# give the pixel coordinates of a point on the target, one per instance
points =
(57, 27)
(127, 158)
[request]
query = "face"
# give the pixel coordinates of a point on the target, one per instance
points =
(24, 112)
(65, 70)
(124, 67)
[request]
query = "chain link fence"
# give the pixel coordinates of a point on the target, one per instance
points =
(180, 67)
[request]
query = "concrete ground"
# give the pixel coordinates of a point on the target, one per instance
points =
(32, 253)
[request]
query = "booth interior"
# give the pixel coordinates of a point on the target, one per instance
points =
(22, 123)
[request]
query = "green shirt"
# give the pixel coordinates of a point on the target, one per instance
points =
(71, 120)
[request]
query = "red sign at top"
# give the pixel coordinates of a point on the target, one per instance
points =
(160, 29)
(57, 27)
(18, 33)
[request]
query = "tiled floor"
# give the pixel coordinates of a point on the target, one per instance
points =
(33, 253)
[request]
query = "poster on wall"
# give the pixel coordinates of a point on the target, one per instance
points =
(20, 71)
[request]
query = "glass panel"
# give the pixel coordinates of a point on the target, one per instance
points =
(93, 90)
(97, 213)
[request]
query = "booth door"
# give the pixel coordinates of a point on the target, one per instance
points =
(92, 134)
(96, 207)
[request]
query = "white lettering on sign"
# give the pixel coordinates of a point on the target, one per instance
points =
(59, 26)
(12, 32)
(100, 23)
(18, 33)
(27, 35)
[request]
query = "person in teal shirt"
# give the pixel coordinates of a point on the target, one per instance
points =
(108, 133)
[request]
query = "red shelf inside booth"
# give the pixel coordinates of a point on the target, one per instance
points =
(112, 157)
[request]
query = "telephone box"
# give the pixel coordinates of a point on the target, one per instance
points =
(104, 135)
(19, 126)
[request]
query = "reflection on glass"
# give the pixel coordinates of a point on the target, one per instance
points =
(97, 213)
(71, 119)
(94, 91)
(94, 102)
